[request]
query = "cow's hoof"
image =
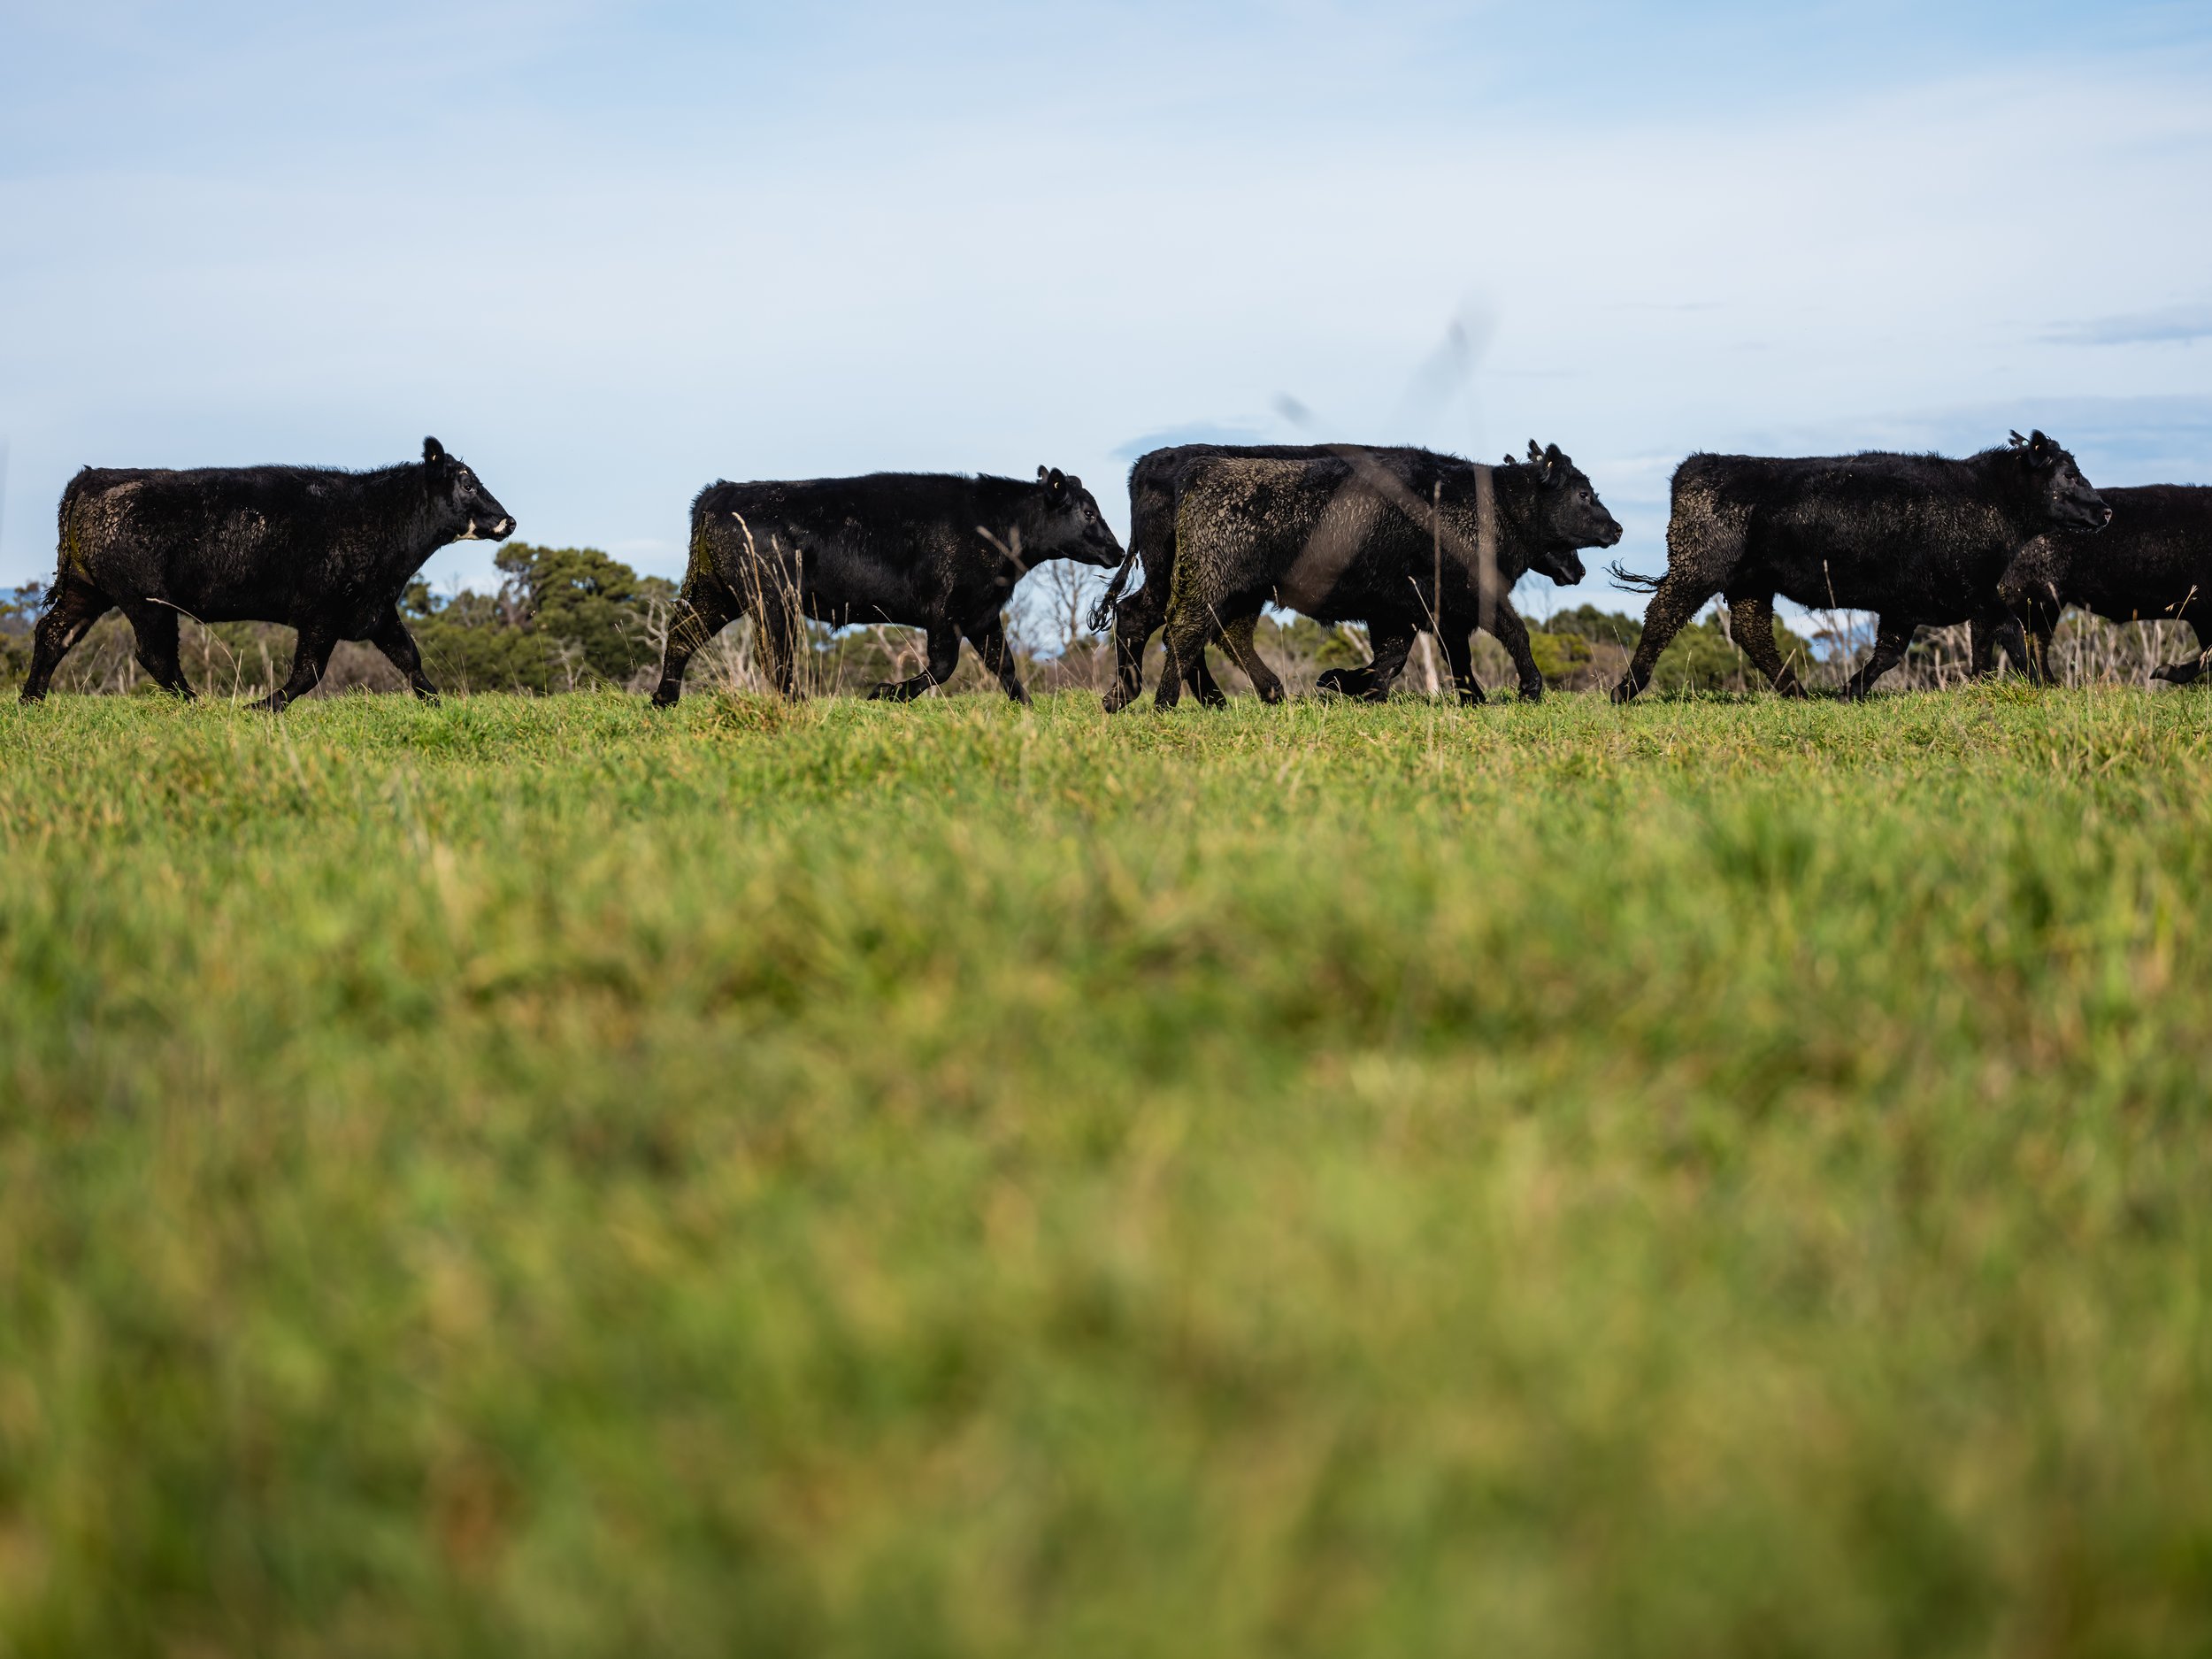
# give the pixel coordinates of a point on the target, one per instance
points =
(1624, 692)
(1533, 693)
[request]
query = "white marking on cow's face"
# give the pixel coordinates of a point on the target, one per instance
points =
(468, 534)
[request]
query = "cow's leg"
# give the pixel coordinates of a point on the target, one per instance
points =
(1236, 639)
(1392, 645)
(989, 640)
(2037, 627)
(1346, 682)
(1751, 621)
(1136, 618)
(1981, 647)
(1673, 603)
(1360, 682)
(1190, 627)
(1891, 641)
(1509, 631)
(311, 655)
(701, 614)
(2006, 630)
(1459, 656)
(944, 657)
(2190, 669)
(398, 645)
(1199, 678)
(76, 606)
(2025, 642)
(154, 630)
(2187, 672)
(779, 635)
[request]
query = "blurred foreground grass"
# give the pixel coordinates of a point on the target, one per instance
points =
(542, 1177)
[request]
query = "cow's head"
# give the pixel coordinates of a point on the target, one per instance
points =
(2063, 494)
(1564, 515)
(1066, 523)
(459, 498)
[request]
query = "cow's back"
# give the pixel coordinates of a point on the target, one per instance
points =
(1158, 475)
(849, 547)
(1870, 531)
(221, 543)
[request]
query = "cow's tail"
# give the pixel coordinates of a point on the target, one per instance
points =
(1629, 581)
(1103, 612)
(704, 570)
(701, 554)
(69, 553)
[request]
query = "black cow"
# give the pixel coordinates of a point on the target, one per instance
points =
(1564, 504)
(1919, 539)
(2154, 563)
(1154, 483)
(324, 552)
(1381, 537)
(930, 550)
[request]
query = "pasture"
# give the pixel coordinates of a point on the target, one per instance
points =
(540, 1176)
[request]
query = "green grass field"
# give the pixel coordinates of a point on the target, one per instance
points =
(537, 1177)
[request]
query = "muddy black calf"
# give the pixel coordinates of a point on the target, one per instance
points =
(1919, 539)
(935, 551)
(1399, 539)
(324, 552)
(1155, 483)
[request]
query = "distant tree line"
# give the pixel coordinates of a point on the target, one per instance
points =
(569, 618)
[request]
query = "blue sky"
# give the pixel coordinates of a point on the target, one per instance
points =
(611, 252)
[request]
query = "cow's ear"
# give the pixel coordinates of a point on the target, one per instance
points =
(433, 452)
(1535, 454)
(1509, 461)
(1042, 471)
(1055, 480)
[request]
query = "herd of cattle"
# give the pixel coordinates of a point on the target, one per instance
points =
(1401, 540)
